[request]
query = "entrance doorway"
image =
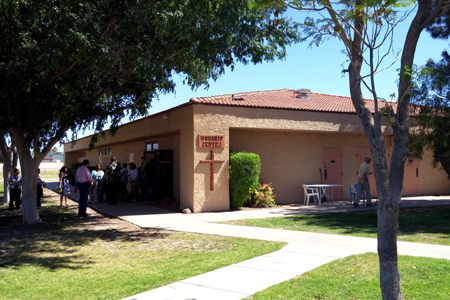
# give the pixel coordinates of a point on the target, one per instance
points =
(332, 170)
(164, 169)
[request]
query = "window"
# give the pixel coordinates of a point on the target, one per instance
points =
(105, 151)
(152, 145)
(81, 154)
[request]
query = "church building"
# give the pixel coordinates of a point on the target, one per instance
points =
(300, 136)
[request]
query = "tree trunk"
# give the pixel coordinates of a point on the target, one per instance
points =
(29, 166)
(9, 155)
(7, 168)
(387, 218)
(387, 251)
(445, 162)
(387, 215)
(29, 181)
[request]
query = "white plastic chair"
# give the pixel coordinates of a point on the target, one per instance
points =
(309, 191)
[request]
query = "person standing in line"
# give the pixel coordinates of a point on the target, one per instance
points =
(15, 183)
(112, 179)
(84, 180)
(97, 175)
(150, 173)
(39, 189)
(63, 185)
(143, 184)
(133, 180)
(363, 182)
(123, 182)
(71, 177)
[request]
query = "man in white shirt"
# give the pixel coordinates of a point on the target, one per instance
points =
(15, 183)
(363, 182)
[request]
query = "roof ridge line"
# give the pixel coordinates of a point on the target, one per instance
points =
(199, 99)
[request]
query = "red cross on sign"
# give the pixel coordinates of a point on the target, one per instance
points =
(212, 162)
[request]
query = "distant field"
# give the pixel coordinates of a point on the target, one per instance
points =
(45, 173)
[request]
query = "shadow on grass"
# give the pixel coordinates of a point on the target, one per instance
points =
(54, 243)
(344, 222)
(431, 220)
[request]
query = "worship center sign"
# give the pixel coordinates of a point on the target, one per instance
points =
(211, 141)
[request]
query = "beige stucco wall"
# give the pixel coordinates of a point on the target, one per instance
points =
(433, 181)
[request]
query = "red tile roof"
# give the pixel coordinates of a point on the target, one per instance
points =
(284, 99)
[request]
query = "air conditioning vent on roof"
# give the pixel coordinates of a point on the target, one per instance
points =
(302, 93)
(237, 98)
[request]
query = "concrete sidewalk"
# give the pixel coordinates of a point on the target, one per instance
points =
(305, 251)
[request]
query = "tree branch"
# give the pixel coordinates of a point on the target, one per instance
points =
(441, 8)
(54, 75)
(107, 28)
(56, 137)
(302, 8)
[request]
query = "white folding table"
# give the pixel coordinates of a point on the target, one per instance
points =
(322, 188)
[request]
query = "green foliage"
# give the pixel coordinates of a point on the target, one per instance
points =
(431, 102)
(81, 64)
(440, 27)
(77, 64)
(261, 195)
(244, 174)
(342, 15)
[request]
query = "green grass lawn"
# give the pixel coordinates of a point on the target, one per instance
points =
(357, 277)
(422, 224)
(66, 257)
(49, 174)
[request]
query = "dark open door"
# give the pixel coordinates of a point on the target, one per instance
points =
(164, 167)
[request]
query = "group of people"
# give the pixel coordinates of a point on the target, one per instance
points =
(113, 182)
(116, 179)
(15, 189)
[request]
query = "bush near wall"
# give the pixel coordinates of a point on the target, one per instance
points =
(262, 196)
(244, 174)
(74, 167)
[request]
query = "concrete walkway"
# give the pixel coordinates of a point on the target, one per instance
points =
(305, 251)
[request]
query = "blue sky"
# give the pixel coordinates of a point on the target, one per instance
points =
(317, 68)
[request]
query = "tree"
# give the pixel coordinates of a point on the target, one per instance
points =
(54, 150)
(364, 26)
(431, 96)
(69, 64)
(9, 154)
